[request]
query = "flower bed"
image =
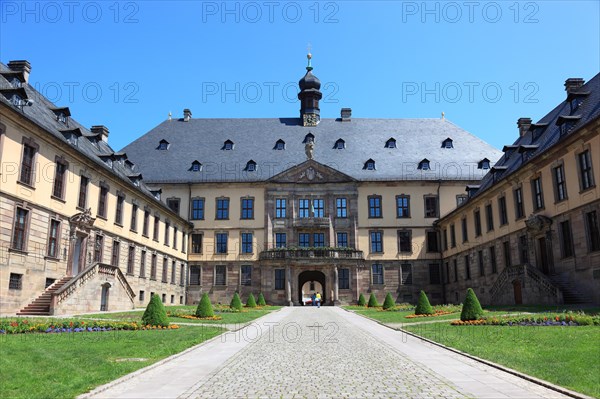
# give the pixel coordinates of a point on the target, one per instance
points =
(193, 317)
(22, 326)
(437, 313)
(563, 319)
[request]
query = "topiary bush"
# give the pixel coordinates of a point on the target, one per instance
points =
(205, 308)
(251, 302)
(236, 302)
(423, 306)
(471, 307)
(389, 302)
(361, 300)
(261, 300)
(155, 314)
(372, 301)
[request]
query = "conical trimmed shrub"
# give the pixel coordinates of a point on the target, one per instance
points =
(236, 302)
(251, 302)
(205, 308)
(372, 301)
(471, 307)
(361, 300)
(389, 302)
(155, 314)
(261, 300)
(423, 306)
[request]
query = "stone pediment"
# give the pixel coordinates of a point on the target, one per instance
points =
(311, 172)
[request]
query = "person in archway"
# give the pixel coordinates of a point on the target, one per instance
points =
(318, 299)
(313, 299)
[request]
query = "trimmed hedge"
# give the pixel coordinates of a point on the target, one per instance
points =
(361, 300)
(236, 302)
(261, 300)
(423, 306)
(471, 307)
(205, 308)
(251, 302)
(372, 301)
(389, 302)
(155, 314)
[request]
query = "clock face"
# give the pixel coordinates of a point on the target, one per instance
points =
(310, 120)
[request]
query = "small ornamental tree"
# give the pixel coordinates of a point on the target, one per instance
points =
(361, 300)
(205, 308)
(155, 314)
(423, 306)
(372, 301)
(251, 302)
(389, 302)
(261, 300)
(471, 307)
(236, 302)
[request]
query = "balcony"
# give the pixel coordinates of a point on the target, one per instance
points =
(311, 253)
(312, 222)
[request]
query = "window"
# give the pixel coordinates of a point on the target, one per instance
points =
(227, 145)
(15, 281)
(480, 260)
(391, 143)
(304, 240)
(465, 232)
(402, 206)
(502, 212)
(116, 251)
(27, 164)
(432, 241)
(452, 236)
(98, 248)
(19, 240)
(146, 223)
(143, 264)
(198, 209)
(280, 145)
(461, 199)
(431, 207)
(424, 164)
(434, 274)
(53, 238)
(182, 275)
(280, 208)
(519, 207)
(102, 200)
(369, 165)
(173, 271)
(220, 275)
(167, 232)
(467, 268)
(304, 208)
(163, 145)
(247, 243)
(280, 240)
(404, 241)
(250, 166)
(142, 295)
(493, 261)
(566, 239)
(119, 210)
(318, 239)
(375, 207)
(58, 187)
(406, 277)
(447, 143)
(130, 259)
(318, 208)
(447, 273)
(153, 265)
(134, 212)
(455, 267)
(484, 164)
(341, 207)
(593, 231)
(279, 279)
(523, 249)
(222, 208)
(175, 232)
(83, 189)
(342, 240)
(194, 275)
(445, 238)
(339, 144)
(506, 250)
(308, 138)
(538, 197)
(586, 176)
(196, 166)
(489, 216)
(173, 204)
(246, 275)
(221, 246)
(376, 242)
(156, 227)
(183, 242)
(477, 220)
(377, 274)
(560, 186)
(344, 279)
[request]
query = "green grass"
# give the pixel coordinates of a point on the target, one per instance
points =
(591, 310)
(400, 317)
(566, 356)
(66, 365)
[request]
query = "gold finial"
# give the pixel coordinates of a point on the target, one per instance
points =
(443, 115)
(170, 115)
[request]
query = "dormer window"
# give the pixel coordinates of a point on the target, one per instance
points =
(16, 100)
(250, 166)
(62, 115)
(447, 143)
(156, 193)
(163, 145)
(369, 165)
(483, 164)
(308, 138)
(108, 159)
(196, 166)
(279, 145)
(576, 98)
(391, 143)
(227, 145)
(15, 82)
(424, 164)
(339, 144)
(566, 123)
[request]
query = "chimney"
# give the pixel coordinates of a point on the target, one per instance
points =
(21, 66)
(187, 115)
(523, 124)
(346, 114)
(102, 131)
(572, 84)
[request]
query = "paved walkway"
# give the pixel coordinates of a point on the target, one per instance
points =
(321, 353)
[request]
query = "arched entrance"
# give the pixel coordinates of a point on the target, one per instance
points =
(104, 297)
(311, 281)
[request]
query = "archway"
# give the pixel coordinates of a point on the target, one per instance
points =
(104, 297)
(311, 279)
(518, 295)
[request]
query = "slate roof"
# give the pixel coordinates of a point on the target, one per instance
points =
(255, 139)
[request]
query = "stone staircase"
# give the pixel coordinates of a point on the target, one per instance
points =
(571, 294)
(41, 305)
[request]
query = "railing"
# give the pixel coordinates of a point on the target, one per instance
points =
(304, 253)
(311, 222)
(509, 274)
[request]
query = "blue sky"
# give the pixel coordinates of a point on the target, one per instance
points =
(128, 64)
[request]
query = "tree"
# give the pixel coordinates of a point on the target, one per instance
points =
(361, 300)
(251, 302)
(261, 300)
(389, 302)
(372, 301)
(155, 314)
(236, 302)
(471, 307)
(205, 308)
(423, 306)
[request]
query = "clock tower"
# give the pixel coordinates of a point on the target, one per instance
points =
(309, 97)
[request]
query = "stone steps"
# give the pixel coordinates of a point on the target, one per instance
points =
(41, 305)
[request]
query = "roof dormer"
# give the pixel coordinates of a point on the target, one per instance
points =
(228, 145)
(163, 145)
(279, 145)
(339, 144)
(250, 166)
(391, 143)
(62, 115)
(308, 138)
(424, 164)
(483, 164)
(369, 165)
(196, 166)
(447, 143)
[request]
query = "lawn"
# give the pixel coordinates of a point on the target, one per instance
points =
(566, 356)
(400, 316)
(66, 365)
